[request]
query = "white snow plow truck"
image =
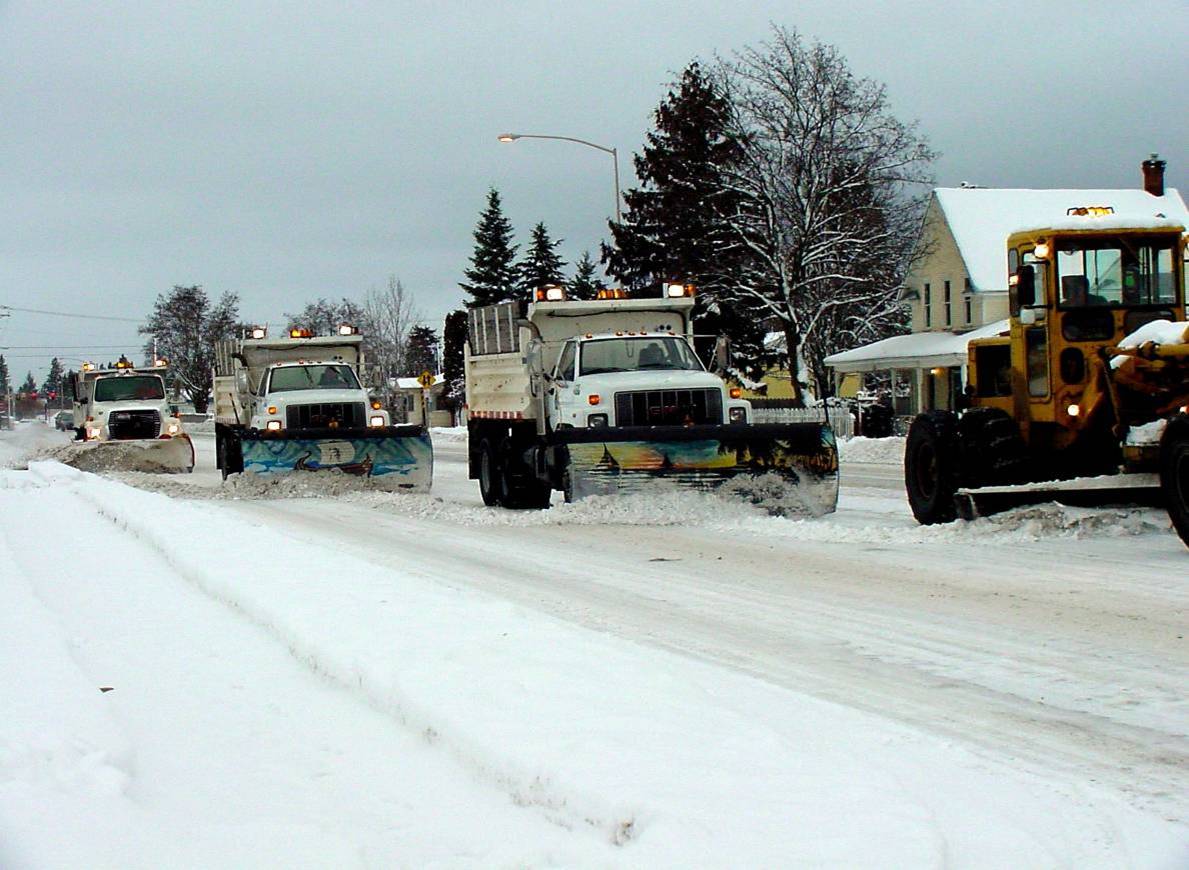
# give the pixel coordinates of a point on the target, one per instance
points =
(607, 395)
(297, 404)
(122, 421)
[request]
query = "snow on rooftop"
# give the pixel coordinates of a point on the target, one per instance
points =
(982, 218)
(916, 350)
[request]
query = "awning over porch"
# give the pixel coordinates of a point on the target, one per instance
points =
(918, 350)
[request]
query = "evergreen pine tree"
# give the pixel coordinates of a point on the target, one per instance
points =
(421, 351)
(677, 223)
(454, 336)
(53, 381)
(30, 385)
(584, 285)
(541, 264)
(492, 276)
(4, 382)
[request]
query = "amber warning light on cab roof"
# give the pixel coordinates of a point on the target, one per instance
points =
(1089, 211)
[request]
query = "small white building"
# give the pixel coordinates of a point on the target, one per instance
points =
(958, 289)
(409, 395)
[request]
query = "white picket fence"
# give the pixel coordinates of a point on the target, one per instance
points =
(841, 421)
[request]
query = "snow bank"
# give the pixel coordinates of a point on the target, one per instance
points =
(27, 439)
(448, 433)
(887, 451)
(664, 760)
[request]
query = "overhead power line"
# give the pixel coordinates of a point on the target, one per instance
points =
(69, 314)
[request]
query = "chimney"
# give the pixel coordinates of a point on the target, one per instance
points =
(1154, 175)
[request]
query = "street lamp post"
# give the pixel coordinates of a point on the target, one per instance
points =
(512, 137)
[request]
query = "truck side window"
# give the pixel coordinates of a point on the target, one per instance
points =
(565, 365)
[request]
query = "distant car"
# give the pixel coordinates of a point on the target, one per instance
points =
(64, 421)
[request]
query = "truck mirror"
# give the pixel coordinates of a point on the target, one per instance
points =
(532, 356)
(722, 354)
(1026, 285)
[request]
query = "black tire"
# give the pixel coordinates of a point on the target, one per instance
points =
(992, 450)
(932, 467)
(522, 489)
(230, 456)
(1174, 473)
(490, 475)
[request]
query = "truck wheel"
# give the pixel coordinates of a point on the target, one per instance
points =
(1174, 473)
(521, 488)
(490, 476)
(931, 471)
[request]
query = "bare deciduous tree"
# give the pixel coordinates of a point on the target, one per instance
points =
(829, 206)
(388, 316)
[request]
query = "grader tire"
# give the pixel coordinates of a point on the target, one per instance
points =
(1174, 473)
(932, 467)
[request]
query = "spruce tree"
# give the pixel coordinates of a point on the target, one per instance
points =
(421, 351)
(541, 264)
(677, 226)
(454, 336)
(492, 276)
(584, 284)
(5, 386)
(53, 381)
(30, 385)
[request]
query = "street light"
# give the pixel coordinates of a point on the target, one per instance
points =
(512, 137)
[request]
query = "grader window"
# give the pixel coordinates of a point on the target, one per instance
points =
(1036, 345)
(992, 370)
(1115, 272)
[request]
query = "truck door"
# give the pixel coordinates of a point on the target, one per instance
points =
(560, 402)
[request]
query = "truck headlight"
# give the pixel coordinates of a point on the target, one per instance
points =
(376, 421)
(92, 433)
(738, 415)
(273, 425)
(174, 428)
(594, 421)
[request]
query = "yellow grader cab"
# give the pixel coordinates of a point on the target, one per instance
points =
(1085, 399)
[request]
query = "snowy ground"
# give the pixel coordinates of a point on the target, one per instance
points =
(377, 679)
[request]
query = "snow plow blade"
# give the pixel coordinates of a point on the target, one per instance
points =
(390, 458)
(791, 468)
(1115, 489)
(157, 455)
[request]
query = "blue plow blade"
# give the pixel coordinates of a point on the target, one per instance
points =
(385, 461)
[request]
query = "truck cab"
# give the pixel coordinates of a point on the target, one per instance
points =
(305, 395)
(637, 379)
(122, 404)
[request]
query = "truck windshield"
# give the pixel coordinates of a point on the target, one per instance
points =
(636, 354)
(313, 377)
(1120, 271)
(120, 389)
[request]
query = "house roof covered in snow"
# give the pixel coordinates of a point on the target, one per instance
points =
(981, 219)
(917, 350)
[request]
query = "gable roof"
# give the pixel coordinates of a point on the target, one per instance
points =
(981, 219)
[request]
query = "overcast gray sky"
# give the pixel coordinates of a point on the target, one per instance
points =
(288, 150)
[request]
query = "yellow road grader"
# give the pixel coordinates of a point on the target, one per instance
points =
(1086, 399)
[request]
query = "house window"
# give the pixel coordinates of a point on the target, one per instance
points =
(928, 311)
(948, 319)
(969, 299)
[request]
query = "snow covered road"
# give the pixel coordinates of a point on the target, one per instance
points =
(379, 679)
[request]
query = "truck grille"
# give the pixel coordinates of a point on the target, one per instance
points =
(347, 416)
(130, 425)
(668, 407)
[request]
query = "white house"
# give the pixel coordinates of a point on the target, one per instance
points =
(958, 289)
